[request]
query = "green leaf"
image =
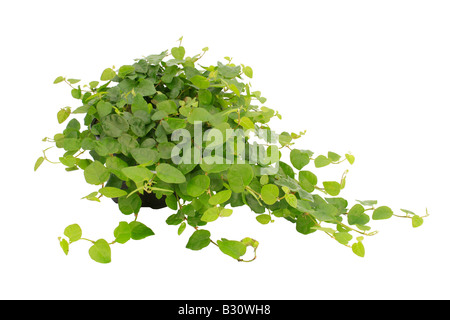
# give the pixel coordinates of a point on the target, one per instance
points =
(73, 81)
(130, 204)
(228, 71)
(289, 183)
(178, 52)
(408, 212)
(139, 103)
(249, 242)
(368, 202)
(137, 174)
(358, 249)
(107, 146)
(38, 163)
(188, 210)
(140, 231)
(63, 114)
(114, 125)
(269, 193)
(171, 202)
(169, 73)
(340, 203)
(198, 185)
(291, 200)
(299, 159)
(211, 214)
(168, 106)
(100, 252)
(137, 125)
(321, 161)
(76, 93)
(145, 156)
(145, 87)
(356, 215)
(59, 140)
(177, 218)
(155, 59)
(363, 228)
(304, 224)
(235, 89)
(417, 221)
(220, 197)
(93, 84)
(200, 82)
(246, 123)
(68, 161)
(83, 109)
(333, 156)
(248, 71)
(175, 123)
(199, 114)
(350, 158)
(204, 97)
(214, 167)
(125, 70)
(264, 179)
(263, 218)
(73, 232)
(304, 206)
(226, 212)
(343, 237)
(249, 199)
(239, 176)
(159, 115)
(71, 144)
(307, 180)
(165, 150)
(382, 213)
(169, 174)
(73, 125)
(92, 197)
(96, 173)
(235, 249)
(284, 138)
(200, 239)
(326, 212)
(181, 228)
(343, 179)
(58, 80)
(108, 74)
(115, 165)
(327, 230)
(111, 192)
(64, 246)
(122, 233)
(333, 188)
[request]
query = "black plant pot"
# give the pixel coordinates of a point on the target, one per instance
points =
(149, 200)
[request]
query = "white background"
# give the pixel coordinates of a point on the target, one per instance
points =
(370, 77)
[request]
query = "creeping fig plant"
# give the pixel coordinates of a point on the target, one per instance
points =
(197, 138)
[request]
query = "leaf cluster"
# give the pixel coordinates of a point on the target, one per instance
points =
(121, 138)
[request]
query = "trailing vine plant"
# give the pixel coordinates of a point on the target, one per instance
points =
(197, 138)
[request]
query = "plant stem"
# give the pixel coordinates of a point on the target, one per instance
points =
(214, 243)
(360, 232)
(87, 240)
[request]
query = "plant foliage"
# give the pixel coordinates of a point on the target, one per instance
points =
(124, 144)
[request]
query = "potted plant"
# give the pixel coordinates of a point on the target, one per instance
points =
(166, 131)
